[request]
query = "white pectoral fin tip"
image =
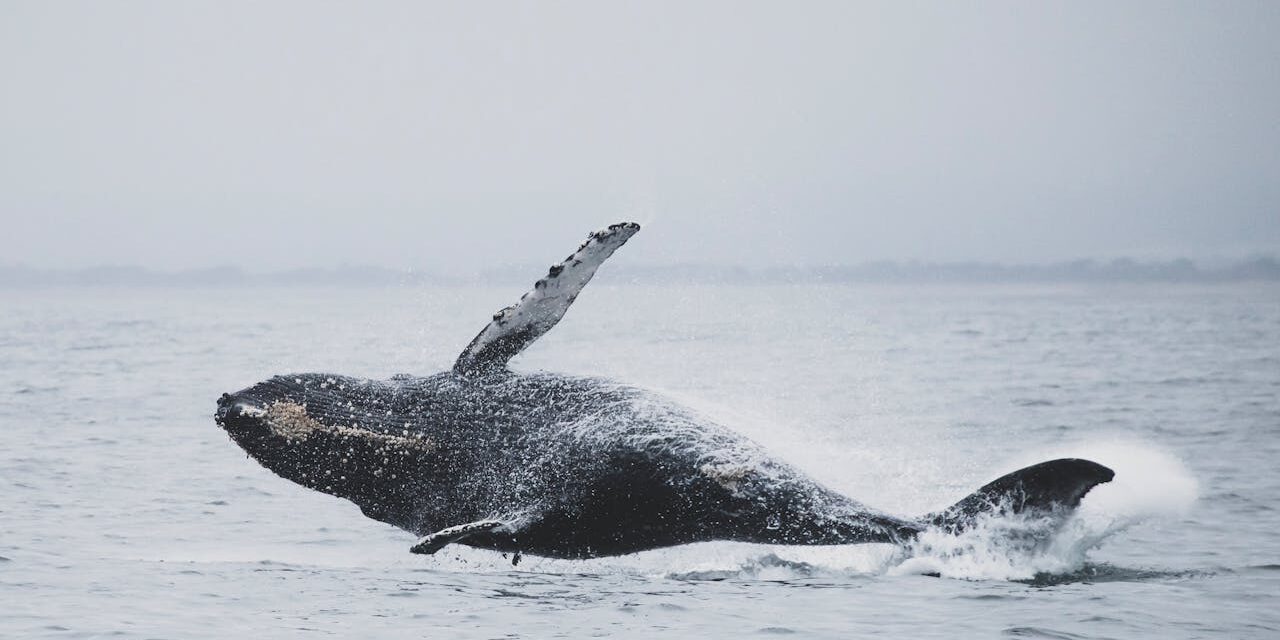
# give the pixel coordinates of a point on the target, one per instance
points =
(519, 325)
(445, 537)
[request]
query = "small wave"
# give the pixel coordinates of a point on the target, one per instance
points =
(1032, 402)
(990, 597)
(1041, 632)
(30, 389)
(96, 346)
(1097, 573)
(706, 562)
(766, 567)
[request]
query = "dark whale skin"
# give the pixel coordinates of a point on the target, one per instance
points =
(581, 467)
(571, 467)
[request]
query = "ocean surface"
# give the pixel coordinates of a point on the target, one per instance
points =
(126, 512)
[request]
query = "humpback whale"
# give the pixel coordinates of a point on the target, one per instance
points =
(571, 466)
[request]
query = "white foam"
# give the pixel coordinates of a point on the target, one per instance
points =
(1149, 483)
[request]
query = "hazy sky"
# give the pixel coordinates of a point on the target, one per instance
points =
(281, 134)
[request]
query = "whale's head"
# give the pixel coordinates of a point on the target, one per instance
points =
(336, 435)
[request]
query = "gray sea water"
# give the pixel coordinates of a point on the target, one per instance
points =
(125, 512)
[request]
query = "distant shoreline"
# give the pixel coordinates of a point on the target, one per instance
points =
(1264, 269)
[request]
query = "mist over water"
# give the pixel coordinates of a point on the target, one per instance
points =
(128, 512)
(407, 134)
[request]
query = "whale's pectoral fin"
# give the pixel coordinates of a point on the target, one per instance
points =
(518, 325)
(445, 537)
(1052, 488)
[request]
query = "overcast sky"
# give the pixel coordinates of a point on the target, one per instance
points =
(281, 134)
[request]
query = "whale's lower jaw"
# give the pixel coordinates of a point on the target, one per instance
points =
(386, 473)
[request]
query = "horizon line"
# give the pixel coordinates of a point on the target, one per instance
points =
(1082, 270)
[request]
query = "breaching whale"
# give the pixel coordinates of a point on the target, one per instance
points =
(572, 467)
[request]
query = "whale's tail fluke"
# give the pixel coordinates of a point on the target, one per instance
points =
(1050, 489)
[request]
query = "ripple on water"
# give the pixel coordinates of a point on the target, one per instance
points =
(23, 390)
(762, 568)
(991, 596)
(1032, 402)
(1041, 632)
(1097, 573)
(898, 409)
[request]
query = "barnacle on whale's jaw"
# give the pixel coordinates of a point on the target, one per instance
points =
(279, 418)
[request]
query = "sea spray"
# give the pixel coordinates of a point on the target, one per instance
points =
(1149, 484)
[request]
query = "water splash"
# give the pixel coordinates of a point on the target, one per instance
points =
(1149, 484)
